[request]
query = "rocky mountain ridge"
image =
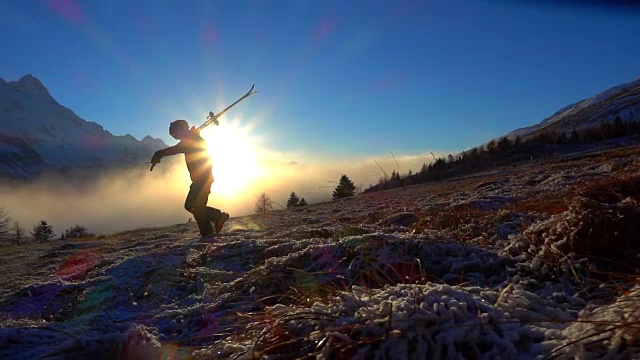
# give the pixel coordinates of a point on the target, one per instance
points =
(39, 136)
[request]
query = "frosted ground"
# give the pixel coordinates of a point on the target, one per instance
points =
(533, 260)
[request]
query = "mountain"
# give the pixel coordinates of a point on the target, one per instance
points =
(38, 135)
(621, 101)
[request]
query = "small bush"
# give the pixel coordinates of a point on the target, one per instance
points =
(76, 232)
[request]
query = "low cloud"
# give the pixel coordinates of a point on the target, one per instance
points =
(114, 202)
(139, 198)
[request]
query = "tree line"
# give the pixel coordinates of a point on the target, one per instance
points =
(12, 233)
(505, 148)
(345, 188)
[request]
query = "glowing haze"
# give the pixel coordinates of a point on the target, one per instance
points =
(140, 198)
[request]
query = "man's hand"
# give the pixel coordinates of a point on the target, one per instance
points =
(157, 156)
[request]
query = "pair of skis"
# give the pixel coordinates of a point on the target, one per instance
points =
(213, 118)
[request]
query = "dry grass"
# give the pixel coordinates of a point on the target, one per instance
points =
(612, 189)
(547, 204)
(464, 222)
(603, 223)
(599, 219)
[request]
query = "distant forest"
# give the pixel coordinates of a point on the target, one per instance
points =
(504, 150)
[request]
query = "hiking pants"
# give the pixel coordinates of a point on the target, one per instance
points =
(196, 203)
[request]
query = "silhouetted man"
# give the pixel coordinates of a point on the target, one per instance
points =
(196, 155)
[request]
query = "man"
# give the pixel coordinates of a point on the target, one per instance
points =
(198, 161)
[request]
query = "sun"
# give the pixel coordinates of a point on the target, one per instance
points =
(235, 160)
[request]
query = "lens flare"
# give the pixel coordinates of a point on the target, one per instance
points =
(77, 265)
(235, 160)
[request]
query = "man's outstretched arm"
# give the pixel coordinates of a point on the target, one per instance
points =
(172, 150)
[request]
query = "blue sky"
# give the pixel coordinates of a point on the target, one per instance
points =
(336, 78)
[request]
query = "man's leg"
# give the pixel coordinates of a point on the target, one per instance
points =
(220, 221)
(213, 213)
(196, 203)
(218, 217)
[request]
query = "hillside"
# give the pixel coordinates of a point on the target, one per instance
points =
(607, 120)
(528, 260)
(622, 101)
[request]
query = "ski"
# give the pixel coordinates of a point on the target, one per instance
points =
(213, 118)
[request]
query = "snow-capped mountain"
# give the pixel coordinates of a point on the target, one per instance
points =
(621, 101)
(38, 135)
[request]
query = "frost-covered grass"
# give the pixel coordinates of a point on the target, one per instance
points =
(524, 262)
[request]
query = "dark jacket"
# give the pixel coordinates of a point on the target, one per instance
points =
(197, 157)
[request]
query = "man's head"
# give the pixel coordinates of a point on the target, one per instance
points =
(179, 129)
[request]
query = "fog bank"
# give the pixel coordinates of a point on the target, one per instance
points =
(139, 198)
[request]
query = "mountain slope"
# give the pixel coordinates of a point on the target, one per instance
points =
(621, 101)
(39, 135)
(520, 262)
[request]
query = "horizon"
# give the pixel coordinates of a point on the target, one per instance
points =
(339, 83)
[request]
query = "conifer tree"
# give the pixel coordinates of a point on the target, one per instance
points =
(503, 144)
(492, 146)
(618, 128)
(5, 220)
(575, 137)
(42, 232)
(517, 142)
(344, 189)
(294, 200)
(450, 159)
(302, 202)
(562, 138)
